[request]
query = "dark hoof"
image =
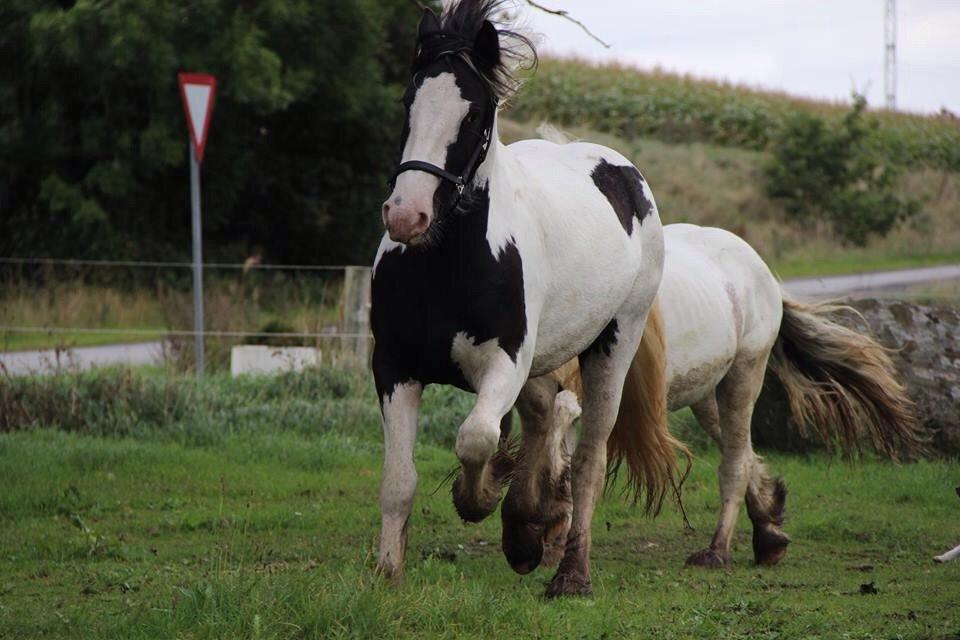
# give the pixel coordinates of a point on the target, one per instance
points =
(474, 508)
(707, 558)
(769, 546)
(522, 545)
(568, 585)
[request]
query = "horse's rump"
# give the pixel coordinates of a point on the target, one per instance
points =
(640, 436)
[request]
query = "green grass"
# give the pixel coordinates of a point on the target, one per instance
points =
(22, 341)
(851, 262)
(247, 509)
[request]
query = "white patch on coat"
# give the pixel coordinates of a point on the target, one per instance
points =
(386, 246)
(497, 379)
(475, 359)
(399, 481)
(718, 300)
(437, 111)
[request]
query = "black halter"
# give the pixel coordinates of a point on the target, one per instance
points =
(433, 47)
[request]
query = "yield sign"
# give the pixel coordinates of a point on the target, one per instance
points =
(196, 92)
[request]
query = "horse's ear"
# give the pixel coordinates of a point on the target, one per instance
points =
(486, 47)
(429, 23)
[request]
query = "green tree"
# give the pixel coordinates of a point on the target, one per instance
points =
(93, 154)
(833, 173)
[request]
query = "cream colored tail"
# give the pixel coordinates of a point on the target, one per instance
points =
(641, 437)
(842, 385)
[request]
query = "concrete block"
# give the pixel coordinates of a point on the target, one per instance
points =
(260, 359)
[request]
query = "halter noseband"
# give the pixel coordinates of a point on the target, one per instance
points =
(433, 47)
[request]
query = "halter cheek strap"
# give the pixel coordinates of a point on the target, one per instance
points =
(420, 165)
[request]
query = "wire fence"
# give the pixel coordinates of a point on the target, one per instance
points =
(244, 266)
(352, 318)
(183, 332)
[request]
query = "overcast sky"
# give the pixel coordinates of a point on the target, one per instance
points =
(815, 48)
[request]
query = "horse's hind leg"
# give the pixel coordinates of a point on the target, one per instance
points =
(735, 398)
(603, 367)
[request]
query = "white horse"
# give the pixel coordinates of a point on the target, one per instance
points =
(725, 324)
(501, 263)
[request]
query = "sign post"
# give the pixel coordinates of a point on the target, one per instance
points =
(196, 92)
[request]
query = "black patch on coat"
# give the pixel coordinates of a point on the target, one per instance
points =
(424, 295)
(604, 342)
(623, 188)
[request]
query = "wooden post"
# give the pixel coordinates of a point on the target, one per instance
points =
(356, 312)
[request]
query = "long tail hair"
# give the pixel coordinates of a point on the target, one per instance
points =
(641, 437)
(842, 385)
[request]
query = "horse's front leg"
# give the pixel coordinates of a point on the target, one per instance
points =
(497, 379)
(399, 403)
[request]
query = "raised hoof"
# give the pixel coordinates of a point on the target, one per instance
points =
(707, 558)
(769, 546)
(568, 585)
(472, 508)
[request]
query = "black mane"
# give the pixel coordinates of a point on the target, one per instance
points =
(464, 18)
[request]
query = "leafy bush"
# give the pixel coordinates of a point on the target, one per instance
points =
(829, 172)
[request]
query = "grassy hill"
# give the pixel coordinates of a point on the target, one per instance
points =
(631, 103)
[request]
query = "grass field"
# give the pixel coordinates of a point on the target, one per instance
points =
(150, 507)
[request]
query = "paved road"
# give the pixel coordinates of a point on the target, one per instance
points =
(24, 362)
(879, 281)
(48, 361)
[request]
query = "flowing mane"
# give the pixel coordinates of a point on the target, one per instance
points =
(462, 19)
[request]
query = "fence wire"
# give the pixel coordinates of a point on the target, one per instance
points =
(168, 333)
(169, 265)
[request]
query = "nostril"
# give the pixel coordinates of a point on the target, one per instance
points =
(385, 213)
(422, 220)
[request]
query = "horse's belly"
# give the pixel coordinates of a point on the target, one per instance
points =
(586, 297)
(700, 330)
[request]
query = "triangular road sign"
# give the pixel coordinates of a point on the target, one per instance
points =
(197, 91)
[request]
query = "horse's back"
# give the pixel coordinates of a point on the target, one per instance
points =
(719, 301)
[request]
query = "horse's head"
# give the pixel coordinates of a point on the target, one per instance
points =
(456, 82)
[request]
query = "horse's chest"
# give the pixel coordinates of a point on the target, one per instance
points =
(421, 302)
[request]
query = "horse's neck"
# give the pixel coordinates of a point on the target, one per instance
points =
(495, 157)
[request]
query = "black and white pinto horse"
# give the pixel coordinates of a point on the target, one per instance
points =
(502, 263)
